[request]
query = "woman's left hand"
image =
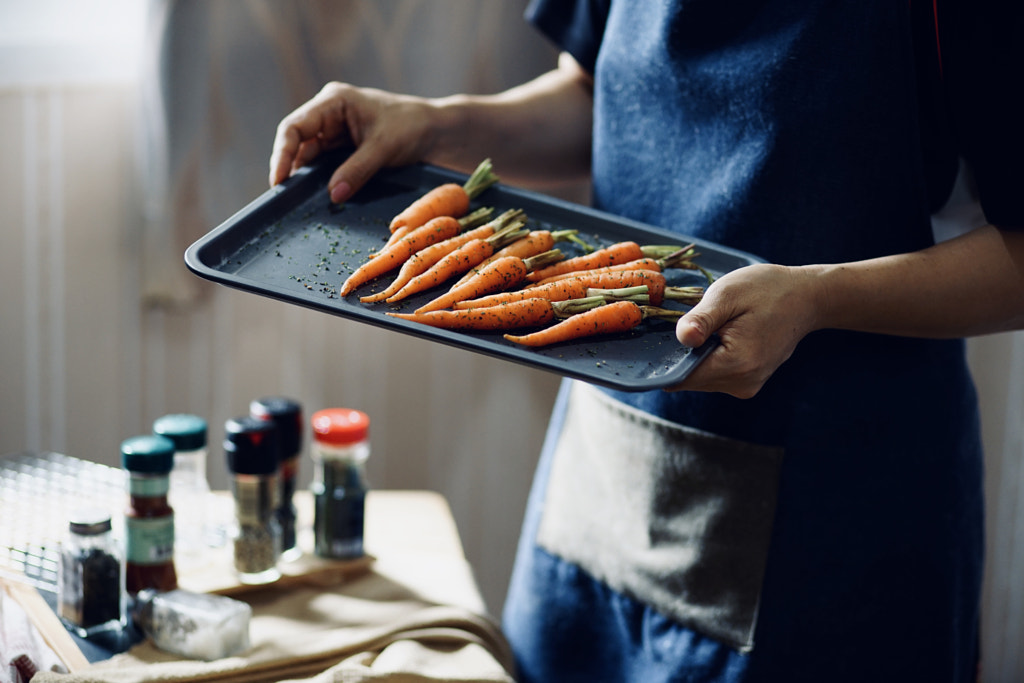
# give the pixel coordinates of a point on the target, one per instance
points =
(760, 313)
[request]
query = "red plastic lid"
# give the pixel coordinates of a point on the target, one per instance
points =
(340, 426)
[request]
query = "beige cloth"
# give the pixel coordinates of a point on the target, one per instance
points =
(410, 619)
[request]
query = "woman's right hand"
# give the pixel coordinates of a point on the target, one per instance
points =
(386, 129)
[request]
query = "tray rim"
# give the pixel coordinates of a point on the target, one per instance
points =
(198, 263)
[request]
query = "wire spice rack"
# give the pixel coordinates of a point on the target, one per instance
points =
(38, 494)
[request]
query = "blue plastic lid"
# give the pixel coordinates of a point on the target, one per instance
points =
(188, 432)
(150, 454)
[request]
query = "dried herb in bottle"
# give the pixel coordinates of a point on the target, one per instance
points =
(90, 593)
(149, 519)
(286, 415)
(340, 448)
(251, 447)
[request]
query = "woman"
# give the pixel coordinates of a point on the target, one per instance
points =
(807, 504)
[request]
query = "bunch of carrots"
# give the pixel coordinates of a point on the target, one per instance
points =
(509, 277)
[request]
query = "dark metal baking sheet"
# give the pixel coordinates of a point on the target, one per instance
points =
(293, 245)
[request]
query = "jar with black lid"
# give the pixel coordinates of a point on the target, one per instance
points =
(90, 593)
(251, 448)
(286, 415)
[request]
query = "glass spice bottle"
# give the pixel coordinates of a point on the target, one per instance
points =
(90, 593)
(149, 519)
(286, 415)
(339, 451)
(189, 494)
(250, 445)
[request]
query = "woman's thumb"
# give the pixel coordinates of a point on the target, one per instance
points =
(694, 328)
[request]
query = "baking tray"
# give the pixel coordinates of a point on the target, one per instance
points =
(292, 244)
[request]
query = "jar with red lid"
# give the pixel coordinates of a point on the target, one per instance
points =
(339, 450)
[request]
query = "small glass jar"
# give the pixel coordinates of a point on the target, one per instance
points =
(189, 494)
(149, 519)
(286, 415)
(90, 593)
(339, 451)
(251, 446)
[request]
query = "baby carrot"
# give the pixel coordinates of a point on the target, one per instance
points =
(618, 316)
(428, 256)
(526, 313)
(530, 313)
(681, 258)
(438, 229)
(609, 256)
(500, 275)
(577, 286)
(472, 220)
(537, 242)
(459, 261)
(449, 199)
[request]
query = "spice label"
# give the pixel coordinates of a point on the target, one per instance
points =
(149, 541)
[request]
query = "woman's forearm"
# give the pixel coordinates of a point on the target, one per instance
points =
(970, 285)
(536, 133)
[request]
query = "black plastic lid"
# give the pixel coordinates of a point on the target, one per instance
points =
(188, 432)
(251, 445)
(149, 454)
(287, 415)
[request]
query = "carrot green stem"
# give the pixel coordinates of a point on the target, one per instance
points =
(544, 259)
(686, 295)
(572, 236)
(564, 309)
(638, 294)
(661, 313)
(478, 217)
(482, 178)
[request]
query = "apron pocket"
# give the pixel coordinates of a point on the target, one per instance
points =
(673, 517)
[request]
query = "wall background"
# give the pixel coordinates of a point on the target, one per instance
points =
(125, 149)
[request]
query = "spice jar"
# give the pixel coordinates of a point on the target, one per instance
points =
(339, 451)
(251, 448)
(286, 415)
(189, 494)
(149, 519)
(90, 593)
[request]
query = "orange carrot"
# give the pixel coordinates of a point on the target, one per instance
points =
(449, 199)
(577, 286)
(428, 256)
(620, 252)
(618, 316)
(500, 275)
(459, 261)
(680, 258)
(537, 242)
(609, 256)
(532, 313)
(438, 229)
(526, 313)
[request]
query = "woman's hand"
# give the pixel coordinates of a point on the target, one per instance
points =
(760, 313)
(970, 285)
(386, 129)
(537, 132)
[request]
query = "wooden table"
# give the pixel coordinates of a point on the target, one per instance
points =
(398, 523)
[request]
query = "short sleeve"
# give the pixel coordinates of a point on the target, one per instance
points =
(981, 43)
(575, 26)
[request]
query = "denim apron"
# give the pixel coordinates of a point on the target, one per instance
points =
(830, 528)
